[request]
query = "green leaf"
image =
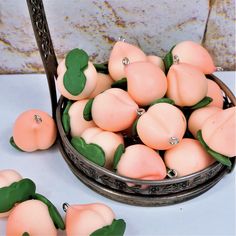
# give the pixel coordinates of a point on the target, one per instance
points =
(66, 117)
(102, 68)
(74, 79)
(204, 102)
(77, 58)
(219, 157)
(53, 212)
(25, 234)
(87, 114)
(122, 84)
(117, 228)
(15, 193)
(118, 153)
(163, 100)
(92, 152)
(13, 144)
(168, 60)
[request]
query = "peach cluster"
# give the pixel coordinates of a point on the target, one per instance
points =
(30, 213)
(164, 105)
(27, 212)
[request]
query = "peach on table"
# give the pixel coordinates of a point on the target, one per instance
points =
(34, 130)
(87, 219)
(7, 177)
(31, 216)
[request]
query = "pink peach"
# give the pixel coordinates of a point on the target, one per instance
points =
(215, 92)
(107, 140)
(114, 110)
(31, 216)
(103, 83)
(141, 162)
(86, 219)
(162, 126)
(146, 82)
(187, 157)
(186, 84)
(91, 81)
(34, 130)
(7, 177)
(198, 118)
(77, 122)
(193, 53)
(156, 61)
(219, 132)
(120, 51)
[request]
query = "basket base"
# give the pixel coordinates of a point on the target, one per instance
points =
(140, 200)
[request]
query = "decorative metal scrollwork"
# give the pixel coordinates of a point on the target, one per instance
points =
(41, 27)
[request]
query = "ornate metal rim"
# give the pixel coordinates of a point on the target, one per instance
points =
(114, 175)
(140, 200)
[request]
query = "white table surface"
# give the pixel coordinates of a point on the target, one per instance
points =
(212, 213)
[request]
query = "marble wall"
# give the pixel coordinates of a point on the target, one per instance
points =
(94, 25)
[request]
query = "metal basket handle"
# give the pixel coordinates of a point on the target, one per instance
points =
(44, 41)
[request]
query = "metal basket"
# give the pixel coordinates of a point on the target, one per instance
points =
(101, 180)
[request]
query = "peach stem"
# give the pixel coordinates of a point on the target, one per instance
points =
(38, 119)
(65, 206)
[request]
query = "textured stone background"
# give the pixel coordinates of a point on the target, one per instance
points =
(154, 25)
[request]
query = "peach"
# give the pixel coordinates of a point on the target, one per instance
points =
(120, 53)
(86, 219)
(146, 82)
(77, 122)
(30, 217)
(186, 84)
(87, 85)
(7, 177)
(114, 110)
(187, 157)
(104, 82)
(198, 118)
(215, 92)
(141, 162)
(219, 132)
(108, 141)
(162, 126)
(34, 130)
(193, 53)
(156, 61)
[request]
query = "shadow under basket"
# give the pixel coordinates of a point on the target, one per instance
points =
(101, 180)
